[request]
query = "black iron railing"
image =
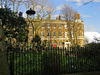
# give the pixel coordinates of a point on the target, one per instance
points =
(53, 61)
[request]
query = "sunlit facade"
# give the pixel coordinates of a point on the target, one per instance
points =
(58, 32)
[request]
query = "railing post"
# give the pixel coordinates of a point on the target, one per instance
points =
(12, 62)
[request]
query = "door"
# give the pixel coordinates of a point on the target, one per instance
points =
(67, 44)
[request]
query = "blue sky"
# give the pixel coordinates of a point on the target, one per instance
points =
(90, 14)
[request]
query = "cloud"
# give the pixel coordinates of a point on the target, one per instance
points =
(54, 16)
(84, 0)
(90, 36)
(86, 16)
(90, 33)
(80, 2)
(62, 6)
(89, 28)
(24, 15)
(3, 6)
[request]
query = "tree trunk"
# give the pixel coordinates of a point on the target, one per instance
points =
(4, 69)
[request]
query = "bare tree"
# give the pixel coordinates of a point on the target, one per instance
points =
(88, 2)
(1, 3)
(42, 8)
(15, 4)
(69, 15)
(97, 39)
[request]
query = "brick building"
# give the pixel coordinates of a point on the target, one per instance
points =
(58, 33)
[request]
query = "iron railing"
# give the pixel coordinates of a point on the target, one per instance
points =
(52, 61)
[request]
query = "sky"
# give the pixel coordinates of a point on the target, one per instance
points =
(90, 14)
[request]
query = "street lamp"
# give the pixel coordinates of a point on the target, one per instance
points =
(30, 13)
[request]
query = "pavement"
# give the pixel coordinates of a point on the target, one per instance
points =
(85, 73)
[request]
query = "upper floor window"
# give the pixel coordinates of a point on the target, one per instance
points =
(72, 26)
(59, 34)
(48, 25)
(65, 26)
(30, 33)
(42, 33)
(48, 33)
(42, 25)
(82, 34)
(82, 42)
(54, 26)
(59, 26)
(60, 43)
(54, 33)
(65, 34)
(81, 26)
(30, 26)
(72, 34)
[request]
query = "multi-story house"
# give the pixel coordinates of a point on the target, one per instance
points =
(59, 33)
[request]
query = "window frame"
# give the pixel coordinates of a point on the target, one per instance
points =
(48, 25)
(42, 33)
(54, 33)
(65, 34)
(72, 34)
(54, 26)
(30, 26)
(42, 26)
(59, 34)
(59, 26)
(65, 26)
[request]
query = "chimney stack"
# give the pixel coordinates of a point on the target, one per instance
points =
(59, 16)
(77, 15)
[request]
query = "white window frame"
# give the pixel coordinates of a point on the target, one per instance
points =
(60, 43)
(48, 25)
(59, 34)
(82, 34)
(81, 26)
(42, 26)
(65, 34)
(72, 25)
(42, 33)
(30, 33)
(54, 34)
(65, 26)
(30, 26)
(59, 26)
(72, 34)
(54, 26)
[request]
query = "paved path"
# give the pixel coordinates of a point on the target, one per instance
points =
(86, 73)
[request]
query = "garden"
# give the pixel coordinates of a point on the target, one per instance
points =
(54, 60)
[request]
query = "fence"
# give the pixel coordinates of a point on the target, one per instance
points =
(45, 61)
